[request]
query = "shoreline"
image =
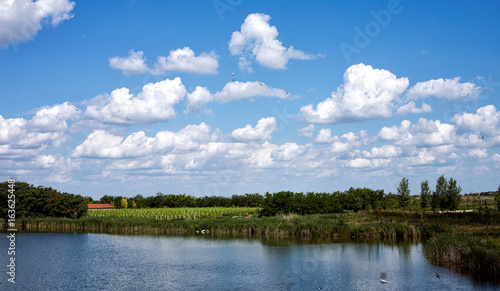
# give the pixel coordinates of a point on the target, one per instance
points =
(395, 225)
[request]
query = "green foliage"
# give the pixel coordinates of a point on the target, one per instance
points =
(425, 194)
(31, 201)
(438, 196)
(320, 203)
(453, 195)
(124, 203)
(191, 213)
(465, 252)
(447, 194)
(404, 193)
(497, 198)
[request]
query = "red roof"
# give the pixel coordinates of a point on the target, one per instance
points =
(101, 206)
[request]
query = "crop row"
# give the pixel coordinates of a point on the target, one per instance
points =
(174, 213)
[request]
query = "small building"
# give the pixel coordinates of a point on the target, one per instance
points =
(100, 206)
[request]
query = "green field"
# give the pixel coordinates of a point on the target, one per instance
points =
(175, 213)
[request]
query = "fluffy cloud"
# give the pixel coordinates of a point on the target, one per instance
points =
(410, 108)
(367, 93)
(358, 163)
(232, 91)
(184, 60)
(21, 20)
(101, 144)
(325, 136)
(48, 128)
(155, 103)
(444, 88)
(257, 39)
(11, 129)
(307, 131)
(54, 118)
(478, 153)
(385, 151)
(262, 131)
(423, 133)
(485, 121)
(133, 64)
(196, 101)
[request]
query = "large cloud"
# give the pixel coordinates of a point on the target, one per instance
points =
(24, 139)
(424, 133)
(444, 88)
(21, 20)
(54, 118)
(485, 121)
(367, 93)
(258, 39)
(155, 103)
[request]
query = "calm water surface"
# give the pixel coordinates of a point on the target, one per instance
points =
(62, 261)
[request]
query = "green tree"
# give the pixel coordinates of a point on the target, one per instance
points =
(124, 203)
(497, 197)
(453, 195)
(404, 193)
(438, 198)
(425, 194)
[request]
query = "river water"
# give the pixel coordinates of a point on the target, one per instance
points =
(65, 261)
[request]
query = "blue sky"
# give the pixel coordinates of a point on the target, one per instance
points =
(231, 97)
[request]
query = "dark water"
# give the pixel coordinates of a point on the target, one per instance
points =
(62, 261)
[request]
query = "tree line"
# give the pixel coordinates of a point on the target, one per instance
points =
(41, 201)
(31, 201)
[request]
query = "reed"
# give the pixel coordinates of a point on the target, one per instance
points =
(465, 254)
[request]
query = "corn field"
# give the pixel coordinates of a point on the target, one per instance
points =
(175, 213)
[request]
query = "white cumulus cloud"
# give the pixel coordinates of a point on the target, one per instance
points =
(21, 20)
(261, 132)
(444, 88)
(410, 108)
(155, 103)
(132, 64)
(367, 93)
(184, 60)
(307, 131)
(257, 39)
(485, 121)
(232, 91)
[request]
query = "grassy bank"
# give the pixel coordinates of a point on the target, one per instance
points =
(465, 254)
(397, 225)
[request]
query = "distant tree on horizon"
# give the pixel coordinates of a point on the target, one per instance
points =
(453, 195)
(404, 193)
(438, 196)
(425, 194)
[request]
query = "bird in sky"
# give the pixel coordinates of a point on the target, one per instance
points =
(261, 84)
(383, 278)
(128, 119)
(232, 74)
